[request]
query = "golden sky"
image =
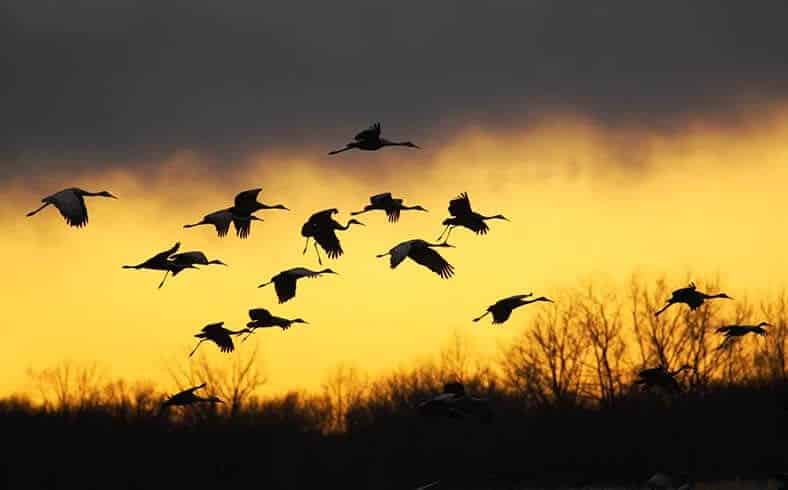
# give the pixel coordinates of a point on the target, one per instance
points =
(585, 202)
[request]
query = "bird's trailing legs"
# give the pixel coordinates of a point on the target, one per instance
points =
(163, 279)
(195, 347)
(31, 213)
(317, 251)
(447, 232)
(306, 246)
(482, 316)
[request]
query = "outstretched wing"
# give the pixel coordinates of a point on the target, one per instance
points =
(285, 288)
(399, 253)
(242, 226)
(327, 238)
(221, 220)
(460, 205)
(71, 206)
(246, 200)
(371, 133)
(193, 389)
(164, 255)
(189, 258)
(380, 198)
(259, 314)
(432, 260)
(322, 217)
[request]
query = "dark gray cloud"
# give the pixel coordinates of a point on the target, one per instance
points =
(122, 80)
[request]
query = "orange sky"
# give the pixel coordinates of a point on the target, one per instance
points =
(584, 202)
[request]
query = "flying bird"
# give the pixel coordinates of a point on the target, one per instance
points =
(385, 202)
(322, 227)
(245, 204)
(732, 332)
(660, 376)
(502, 309)
(422, 253)
(689, 296)
(188, 397)
(370, 140)
(71, 204)
(216, 333)
(262, 318)
(463, 215)
(221, 221)
(161, 262)
(454, 402)
(285, 281)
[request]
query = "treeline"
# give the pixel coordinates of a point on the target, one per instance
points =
(566, 410)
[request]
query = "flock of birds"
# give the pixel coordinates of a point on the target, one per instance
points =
(322, 228)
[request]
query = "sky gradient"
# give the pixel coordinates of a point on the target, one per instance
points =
(617, 139)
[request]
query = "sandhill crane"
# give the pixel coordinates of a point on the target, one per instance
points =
(321, 227)
(245, 204)
(463, 215)
(660, 376)
(689, 296)
(262, 318)
(71, 204)
(502, 309)
(161, 262)
(216, 333)
(455, 403)
(285, 281)
(422, 253)
(187, 397)
(221, 221)
(732, 332)
(370, 140)
(392, 207)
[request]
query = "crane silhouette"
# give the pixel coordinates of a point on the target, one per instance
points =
(422, 253)
(454, 402)
(262, 318)
(661, 377)
(188, 397)
(321, 227)
(285, 281)
(463, 215)
(689, 296)
(385, 202)
(161, 262)
(194, 257)
(733, 332)
(502, 309)
(71, 204)
(216, 333)
(221, 221)
(245, 204)
(370, 140)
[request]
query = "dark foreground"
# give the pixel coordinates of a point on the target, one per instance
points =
(721, 434)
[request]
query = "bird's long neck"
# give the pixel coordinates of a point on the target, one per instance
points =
(405, 208)
(347, 226)
(272, 206)
(495, 216)
(712, 296)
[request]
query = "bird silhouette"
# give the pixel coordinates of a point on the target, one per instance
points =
(285, 281)
(370, 140)
(71, 204)
(194, 257)
(463, 215)
(161, 262)
(454, 402)
(216, 333)
(502, 309)
(221, 221)
(321, 227)
(661, 377)
(422, 253)
(245, 204)
(732, 332)
(689, 296)
(188, 397)
(385, 202)
(262, 318)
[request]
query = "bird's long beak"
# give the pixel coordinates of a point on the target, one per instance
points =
(113, 196)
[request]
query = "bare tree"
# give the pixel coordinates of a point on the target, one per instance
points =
(343, 390)
(545, 366)
(69, 385)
